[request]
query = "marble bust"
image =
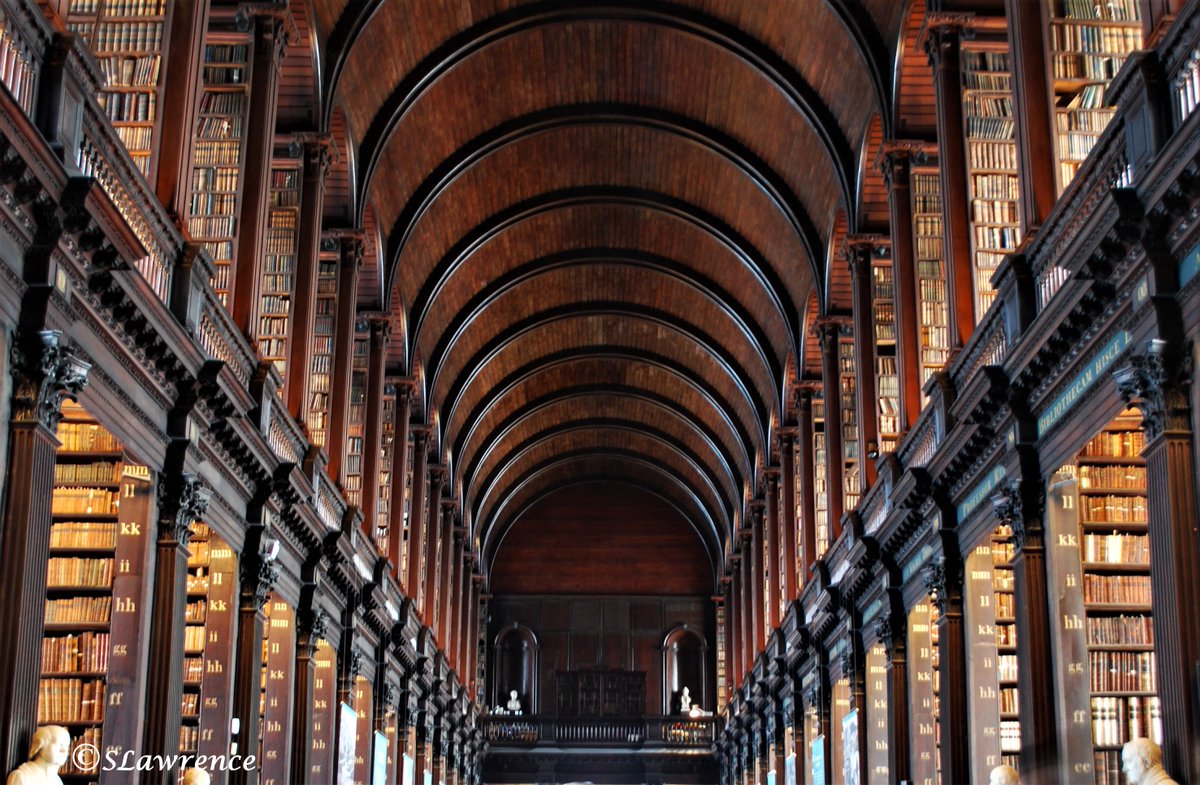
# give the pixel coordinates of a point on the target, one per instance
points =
(685, 701)
(47, 753)
(514, 702)
(1003, 775)
(1141, 761)
(195, 776)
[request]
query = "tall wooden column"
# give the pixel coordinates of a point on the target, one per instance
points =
(895, 159)
(807, 525)
(45, 373)
(943, 34)
(788, 521)
(311, 629)
(395, 536)
(416, 516)
(349, 263)
(271, 25)
(944, 580)
(182, 499)
(860, 249)
(775, 571)
(1019, 506)
(433, 533)
(748, 614)
(259, 570)
(178, 98)
(828, 332)
(1031, 111)
(316, 158)
(1157, 382)
(380, 328)
(443, 581)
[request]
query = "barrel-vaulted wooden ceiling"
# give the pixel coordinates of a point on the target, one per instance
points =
(601, 224)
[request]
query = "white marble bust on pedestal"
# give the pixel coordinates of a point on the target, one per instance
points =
(1003, 775)
(47, 753)
(1141, 761)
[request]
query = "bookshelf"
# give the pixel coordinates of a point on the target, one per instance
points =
(279, 266)
(275, 685)
(722, 697)
(887, 379)
(364, 694)
(1089, 42)
(195, 618)
(932, 304)
(321, 369)
(820, 478)
(924, 693)
(324, 701)
(218, 154)
(352, 471)
(408, 494)
(387, 446)
(1114, 552)
(94, 587)
(877, 718)
(126, 38)
(848, 391)
(991, 166)
(1004, 597)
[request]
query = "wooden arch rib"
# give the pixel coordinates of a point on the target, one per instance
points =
(606, 372)
(633, 443)
(624, 409)
(570, 278)
(774, 70)
(599, 466)
(563, 330)
(760, 274)
(709, 138)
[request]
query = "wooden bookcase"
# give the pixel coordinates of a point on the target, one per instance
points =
(387, 448)
(722, 696)
(95, 612)
(275, 684)
(126, 37)
(402, 557)
(1089, 42)
(924, 710)
(278, 269)
(887, 379)
(352, 471)
(195, 620)
(848, 387)
(321, 369)
(212, 582)
(324, 724)
(1004, 598)
(218, 154)
(932, 305)
(820, 479)
(991, 165)
(1115, 558)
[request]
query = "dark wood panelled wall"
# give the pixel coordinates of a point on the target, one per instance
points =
(363, 362)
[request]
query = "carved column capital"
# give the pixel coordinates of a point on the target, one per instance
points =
(891, 632)
(181, 500)
(941, 35)
(45, 374)
(1157, 383)
(259, 572)
(860, 249)
(943, 581)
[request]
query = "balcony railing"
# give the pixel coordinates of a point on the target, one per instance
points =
(683, 732)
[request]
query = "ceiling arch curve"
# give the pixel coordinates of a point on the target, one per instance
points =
(518, 129)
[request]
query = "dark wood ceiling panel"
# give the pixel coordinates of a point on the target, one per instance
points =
(482, 414)
(606, 441)
(338, 203)
(602, 410)
(605, 331)
(604, 62)
(588, 233)
(578, 162)
(599, 287)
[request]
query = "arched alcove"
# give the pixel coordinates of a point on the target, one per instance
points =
(514, 655)
(685, 664)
